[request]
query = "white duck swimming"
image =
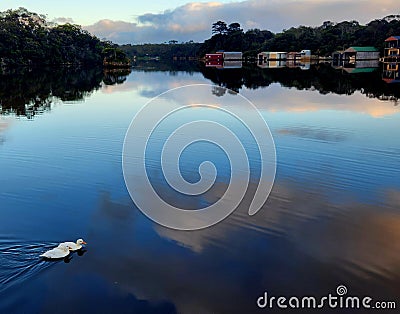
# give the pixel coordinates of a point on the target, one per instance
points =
(60, 251)
(75, 245)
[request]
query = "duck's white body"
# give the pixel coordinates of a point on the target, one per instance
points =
(74, 246)
(60, 251)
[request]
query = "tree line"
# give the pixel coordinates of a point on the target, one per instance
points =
(322, 40)
(27, 38)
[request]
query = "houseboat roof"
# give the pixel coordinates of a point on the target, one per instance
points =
(361, 49)
(359, 70)
(392, 38)
(272, 52)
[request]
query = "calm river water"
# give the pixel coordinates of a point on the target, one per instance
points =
(332, 218)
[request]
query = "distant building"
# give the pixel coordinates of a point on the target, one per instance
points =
(233, 64)
(337, 57)
(271, 64)
(391, 60)
(353, 54)
(229, 64)
(392, 49)
(223, 56)
(359, 70)
(214, 64)
(233, 55)
(293, 55)
(359, 66)
(305, 53)
(293, 63)
(391, 72)
(277, 55)
(214, 57)
(267, 55)
(263, 56)
(305, 66)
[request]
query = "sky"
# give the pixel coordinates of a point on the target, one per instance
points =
(127, 21)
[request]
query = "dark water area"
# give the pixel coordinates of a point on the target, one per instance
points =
(332, 218)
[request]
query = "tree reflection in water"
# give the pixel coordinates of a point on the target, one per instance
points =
(323, 78)
(28, 92)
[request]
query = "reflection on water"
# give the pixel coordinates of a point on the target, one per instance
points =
(391, 72)
(323, 78)
(28, 92)
(333, 216)
(321, 134)
(20, 261)
(115, 76)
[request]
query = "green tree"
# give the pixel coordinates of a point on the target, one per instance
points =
(219, 27)
(234, 28)
(26, 38)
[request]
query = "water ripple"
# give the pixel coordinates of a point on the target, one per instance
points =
(20, 261)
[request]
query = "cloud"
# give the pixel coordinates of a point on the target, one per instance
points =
(63, 20)
(4, 125)
(193, 21)
(152, 84)
(291, 226)
(294, 100)
(115, 30)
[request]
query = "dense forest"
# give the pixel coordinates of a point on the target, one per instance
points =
(165, 51)
(321, 40)
(26, 38)
(232, 38)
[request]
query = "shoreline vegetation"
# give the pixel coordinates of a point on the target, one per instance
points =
(321, 40)
(28, 39)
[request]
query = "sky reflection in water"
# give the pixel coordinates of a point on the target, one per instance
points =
(332, 217)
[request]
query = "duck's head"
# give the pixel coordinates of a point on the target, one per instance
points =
(80, 242)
